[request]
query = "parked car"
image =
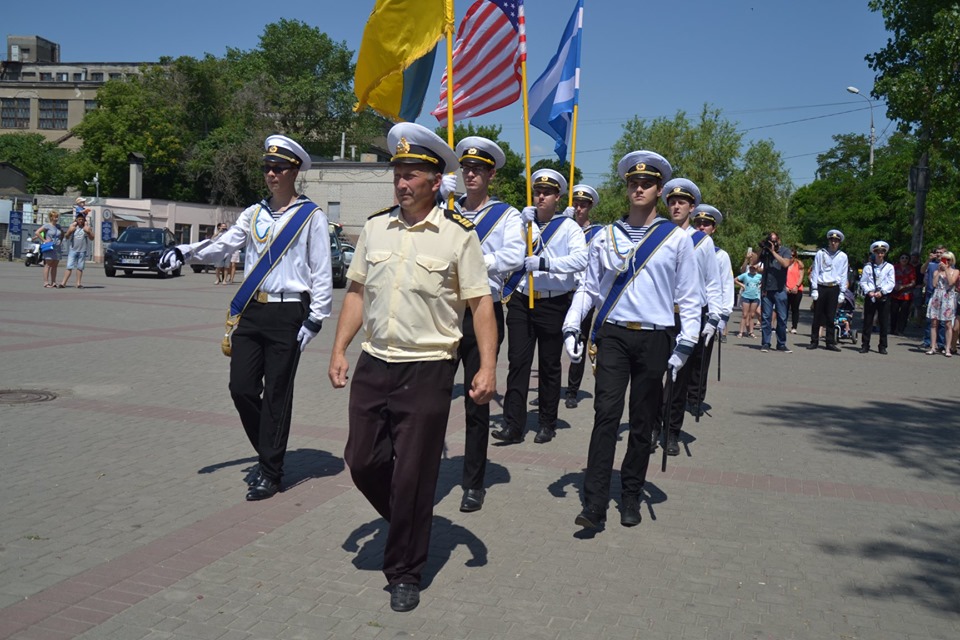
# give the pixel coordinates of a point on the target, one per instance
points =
(348, 250)
(138, 249)
(338, 261)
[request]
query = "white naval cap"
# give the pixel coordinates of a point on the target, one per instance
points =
(835, 233)
(281, 148)
(549, 178)
(645, 163)
(879, 244)
(481, 150)
(683, 188)
(707, 212)
(586, 192)
(414, 143)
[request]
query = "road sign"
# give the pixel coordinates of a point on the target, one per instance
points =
(16, 223)
(106, 231)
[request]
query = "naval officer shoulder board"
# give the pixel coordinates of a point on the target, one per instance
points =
(548, 232)
(653, 239)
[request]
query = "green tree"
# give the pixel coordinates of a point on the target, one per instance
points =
(509, 185)
(44, 162)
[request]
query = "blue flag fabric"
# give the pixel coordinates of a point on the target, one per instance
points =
(555, 92)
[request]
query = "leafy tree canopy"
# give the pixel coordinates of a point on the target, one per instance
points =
(42, 161)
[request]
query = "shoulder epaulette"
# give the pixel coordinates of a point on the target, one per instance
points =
(381, 212)
(459, 219)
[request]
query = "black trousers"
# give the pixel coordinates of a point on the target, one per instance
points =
(575, 372)
(825, 313)
(899, 314)
(262, 368)
(681, 385)
(477, 415)
(793, 307)
(637, 358)
(879, 309)
(697, 392)
(540, 329)
(398, 420)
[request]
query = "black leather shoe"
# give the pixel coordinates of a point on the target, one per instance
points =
(265, 488)
(404, 597)
(535, 402)
(864, 349)
(590, 518)
(673, 447)
(882, 351)
(833, 347)
(630, 511)
(571, 402)
(544, 435)
(654, 439)
(253, 476)
(508, 436)
(472, 500)
(813, 345)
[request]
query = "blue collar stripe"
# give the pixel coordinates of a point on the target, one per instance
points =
(494, 214)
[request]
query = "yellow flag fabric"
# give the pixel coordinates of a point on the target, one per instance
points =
(398, 33)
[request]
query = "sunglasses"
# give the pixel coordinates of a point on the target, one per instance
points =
(276, 168)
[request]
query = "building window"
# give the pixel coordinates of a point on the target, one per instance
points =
(333, 211)
(14, 113)
(28, 74)
(46, 76)
(78, 77)
(62, 77)
(182, 233)
(88, 106)
(52, 114)
(96, 76)
(116, 76)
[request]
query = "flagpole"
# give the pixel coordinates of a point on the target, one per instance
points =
(526, 148)
(573, 152)
(450, 95)
(576, 104)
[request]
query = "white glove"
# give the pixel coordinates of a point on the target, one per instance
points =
(675, 363)
(709, 329)
(529, 214)
(571, 342)
(536, 263)
(570, 212)
(305, 336)
(170, 260)
(814, 294)
(448, 184)
(839, 296)
(489, 260)
(721, 326)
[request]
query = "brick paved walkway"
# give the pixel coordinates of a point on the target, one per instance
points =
(819, 499)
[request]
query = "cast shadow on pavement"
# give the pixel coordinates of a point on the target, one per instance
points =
(299, 465)
(917, 436)
(368, 540)
(933, 581)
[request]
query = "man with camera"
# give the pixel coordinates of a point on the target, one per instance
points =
(774, 261)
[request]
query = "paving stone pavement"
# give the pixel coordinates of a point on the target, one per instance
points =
(817, 499)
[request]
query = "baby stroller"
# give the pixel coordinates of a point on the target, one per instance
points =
(843, 323)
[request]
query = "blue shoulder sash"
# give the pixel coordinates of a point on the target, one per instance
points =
(548, 232)
(494, 214)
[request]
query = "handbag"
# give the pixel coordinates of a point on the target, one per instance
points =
(47, 246)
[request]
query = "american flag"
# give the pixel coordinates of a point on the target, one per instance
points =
(491, 43)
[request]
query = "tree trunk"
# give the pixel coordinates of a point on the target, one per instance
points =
(920, 207)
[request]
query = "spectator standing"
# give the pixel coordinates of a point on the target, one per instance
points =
(932, 267)
(749, 299)
(901, 300)
(775, 259)
(794, 290)
(79, 236)
(942, 308)
(52, 235)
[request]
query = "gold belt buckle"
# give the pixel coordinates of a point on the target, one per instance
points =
(676, 308)
(634, 326)
(262, 297)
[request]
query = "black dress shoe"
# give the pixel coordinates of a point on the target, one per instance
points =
(265, 488)
(535, 402)
(673, 447)
(654, 439)
(833, 347)
(882, 351)
(630, 511)
(508, 436)
(571, 402)
(404, 597)
(544, 435)
(813, 345)
(472, 500)
(864, 349)
(253, 476)
(591, 518)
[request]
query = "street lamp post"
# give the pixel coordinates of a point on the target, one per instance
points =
(873, 137)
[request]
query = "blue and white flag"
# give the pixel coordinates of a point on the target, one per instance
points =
(555, 92)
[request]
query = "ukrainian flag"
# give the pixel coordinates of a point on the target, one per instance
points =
(396, 55)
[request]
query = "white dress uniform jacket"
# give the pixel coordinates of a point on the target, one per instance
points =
(725, 273)
(829, 270)
(505, 246)
(709, 289)
(670, 275)
(878, 277)
(305, 267)
(566, 255)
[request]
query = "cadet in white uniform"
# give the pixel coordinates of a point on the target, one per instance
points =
(828, 281)
(681, 197)
(876, 283)
(498, 226)
(707, 218)
(585, 198)
(561, 254)
(285, 313)
(637, 268)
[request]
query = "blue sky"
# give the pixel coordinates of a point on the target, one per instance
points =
(764, 63)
